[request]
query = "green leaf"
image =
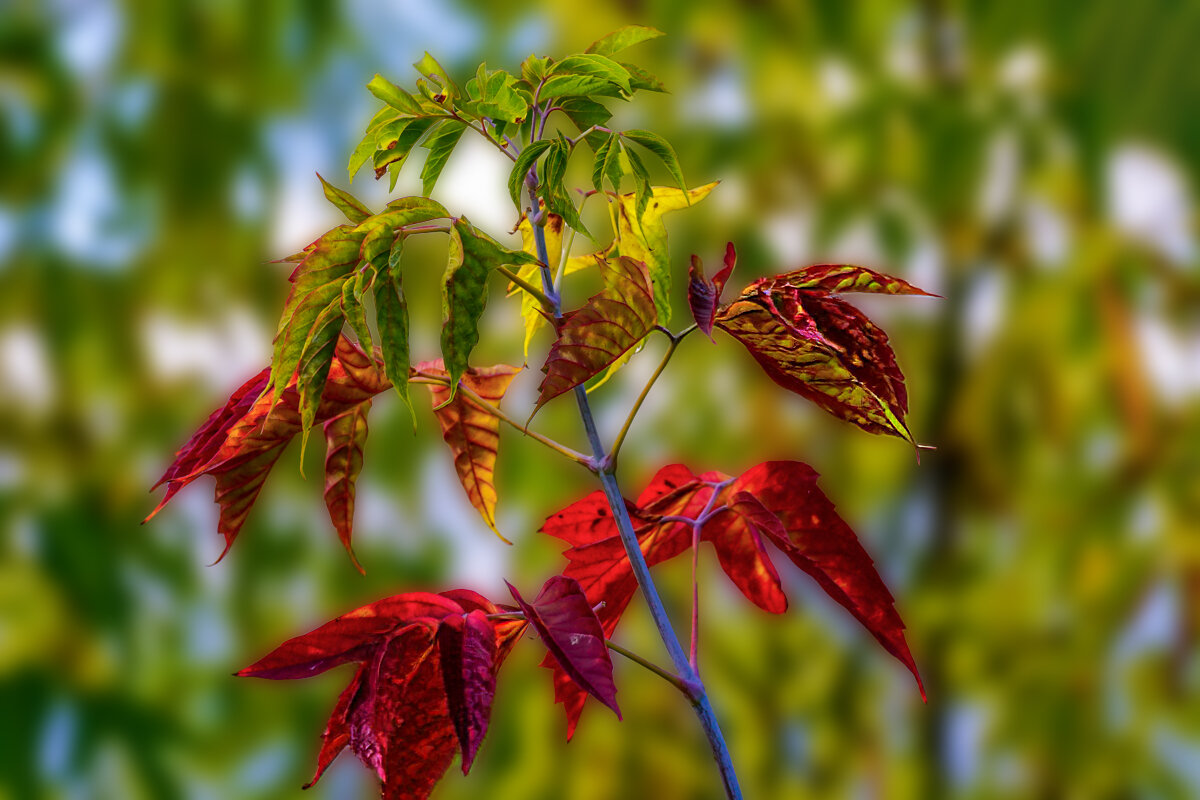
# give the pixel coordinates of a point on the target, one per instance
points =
(595, 65)
(394, 96)
(622, 38)
(367, 147)
(392, 158)
(347, 203)
(554, 169)
(661, 148)
(313, 368)
(497, 96)
(584, 113)
(577, 86)
(600, 162)
(641, 178)
(431, 69)
(316, 284)
(352, 310)
(642, 80)
(473, 255)
(524, 162)
(391, 317)
(379, 231)
(533, 69)
(441, 145)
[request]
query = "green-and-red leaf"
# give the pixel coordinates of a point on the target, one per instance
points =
(571, 632)
(472, 432)
(240, 442)
(823, 349)
(844, 278)
(354, 209)
(344, 438)
(593, 337)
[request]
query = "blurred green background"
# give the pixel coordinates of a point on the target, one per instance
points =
(1031, 162)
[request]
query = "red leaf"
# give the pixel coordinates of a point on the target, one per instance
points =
(840, 278)
(817, 540)
(570, 630)
(777, 502)
(704, 295)
(344, 438)
(472, 432)
(240, 442)
(424, 686)
(468, 649)
(610, 323)
(822, 348)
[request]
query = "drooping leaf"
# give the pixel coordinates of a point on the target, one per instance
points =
(662, 149)
(531, 307)
(440, 145)
(777, 502)
(471, 431)
(594, 336)
(823, 348)
(473, 255)
(369, 144)
(622, 38)
(315, 362)
(819, 542)
(704, 296)
(468, 649)
(424, 687)
(391, 156)
(344, 438)
(571, 632)
(353, 311)
(348, 204)
(645, 238)
(521, 167)
(391, 316)
(240, 443)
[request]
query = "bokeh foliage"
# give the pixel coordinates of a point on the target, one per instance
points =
(1028, 161)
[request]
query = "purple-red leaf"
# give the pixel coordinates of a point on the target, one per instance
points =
(596, 335)
(571, 632)
(468, 649)
(423, 689)
(344, 438)
(704, 296)
(823, 348)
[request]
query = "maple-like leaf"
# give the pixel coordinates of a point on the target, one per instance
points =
(571, 632)
(423, 690)
(776, 502)
(823, 348)
(596, 335)
(704, 295)
(471, 431)
(240, 442)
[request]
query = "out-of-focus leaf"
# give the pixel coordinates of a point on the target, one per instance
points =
(240, 443)
(823, 348)
(344, 438)
(348, 204)
(594, 336)
(623, 38)
(642, 80)
(568, 627)
(472, 432)
(704, 296)
(423, 690)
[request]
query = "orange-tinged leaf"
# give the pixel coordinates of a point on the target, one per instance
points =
(596, 335)
(471, 431)
(344, 437)
(240, 443)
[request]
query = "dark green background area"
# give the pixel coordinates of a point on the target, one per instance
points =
(1033, 163)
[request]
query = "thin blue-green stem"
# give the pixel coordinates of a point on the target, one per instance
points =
(641, 570)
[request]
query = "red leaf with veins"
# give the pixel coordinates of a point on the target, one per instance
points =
(240, 442)
(823, 348)
(571, 632)
(610, 323)
(704, 295)
(776, 502)
(344, 438)
(423, 689)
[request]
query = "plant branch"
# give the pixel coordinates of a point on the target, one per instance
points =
(637, 561)
(637, 404)
(674, 680)
(546, 302)
(493, 409)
